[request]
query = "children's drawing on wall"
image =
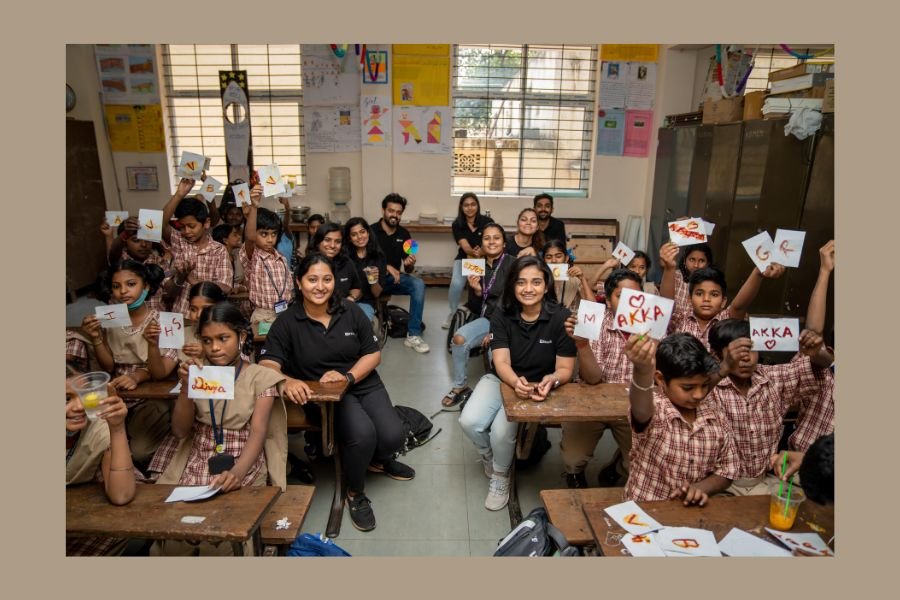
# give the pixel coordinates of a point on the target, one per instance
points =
(376, 128)
(411, 121)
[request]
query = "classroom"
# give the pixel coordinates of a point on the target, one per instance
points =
(506, 250)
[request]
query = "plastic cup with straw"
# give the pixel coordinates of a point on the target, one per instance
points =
(783, 508)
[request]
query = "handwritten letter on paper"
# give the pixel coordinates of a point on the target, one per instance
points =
(192, 165)
(171, 333)
(775, 334)
(113, 315)
(623, 253)
(760, 249)
(150, 225)
(639, 312)
(270, 177)
(211, 382)
(788, 246)
(473, 266)
(590, 318)
(687, 232)
(560, 271)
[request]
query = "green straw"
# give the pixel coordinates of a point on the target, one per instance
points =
(783, 469)
(787, 503)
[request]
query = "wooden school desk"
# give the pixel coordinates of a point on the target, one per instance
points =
(604, 402)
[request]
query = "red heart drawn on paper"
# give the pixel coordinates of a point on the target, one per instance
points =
(637, 300)
(693, 225)
(770, 344)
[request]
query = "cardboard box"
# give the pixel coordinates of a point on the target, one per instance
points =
(801, 69)
(726, 110)
(828, 104)
(813, 92)
(753, 103)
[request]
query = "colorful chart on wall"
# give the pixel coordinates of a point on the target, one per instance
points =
(421, 74)
(638, 132)
(611, 131)
(422, 129)
(136, 128)
(327, 79)
(127, 73)
(375, 115)
(331, 128)
(639, 52)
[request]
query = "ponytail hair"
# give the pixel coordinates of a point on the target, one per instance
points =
(151, 274)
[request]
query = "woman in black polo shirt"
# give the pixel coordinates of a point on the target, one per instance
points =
(528, 240)
(531, 353)
(329, 240)
(322, 337)
(467, 230)
(369, 260)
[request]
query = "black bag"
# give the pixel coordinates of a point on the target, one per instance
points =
(398, 321)
(538, 448)
(417, 426)
(535, 536)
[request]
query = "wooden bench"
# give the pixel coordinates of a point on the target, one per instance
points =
(294, 504)
(565, 510)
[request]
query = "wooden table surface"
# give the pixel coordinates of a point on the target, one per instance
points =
(294, 504)
(230, 517)
(606, 402)
(564, 508)
(160, 390)
(720, 515)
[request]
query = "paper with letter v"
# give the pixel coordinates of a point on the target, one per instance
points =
(632, 518)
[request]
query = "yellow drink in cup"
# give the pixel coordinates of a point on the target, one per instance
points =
(371, 275)
(91, 388)
(783, 507)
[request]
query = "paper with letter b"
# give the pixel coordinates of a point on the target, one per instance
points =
(241, 194)
(632, 518)
(740, 543)
(560, 271)
(113, 315)
(623, 254)
(776, 335)
(810, 543)
(115, 217)
(192, 165)
(211, 382)
(687, 232)
(760, 249)
(270, 178)
(209, 188)
(171, 327)
(473, 266)
(788, 247)
(150, 225)
(688, 541)
(639, 312)
(590, 318)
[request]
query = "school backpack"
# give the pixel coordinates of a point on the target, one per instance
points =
(535, 536)
(538, 448)
(307, 544)
(398, 321)
(417, 427)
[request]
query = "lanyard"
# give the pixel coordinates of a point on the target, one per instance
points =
(487, 289)
(219, 433)
(272, 279)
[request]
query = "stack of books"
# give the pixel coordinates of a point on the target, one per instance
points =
(806, 80)
(778, 108)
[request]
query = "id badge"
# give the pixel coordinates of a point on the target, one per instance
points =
(220, 463)
(280, 306)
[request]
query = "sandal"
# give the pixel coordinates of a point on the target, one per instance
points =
(451, 398)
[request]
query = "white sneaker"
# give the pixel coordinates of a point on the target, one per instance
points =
(416, 343)
(488, 463)
(498, 492)
(446, 324)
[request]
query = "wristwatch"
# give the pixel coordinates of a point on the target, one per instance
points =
(350, 378)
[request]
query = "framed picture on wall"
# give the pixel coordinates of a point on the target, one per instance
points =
(142, 179)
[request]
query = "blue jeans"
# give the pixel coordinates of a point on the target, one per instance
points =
(484, 411)
(457, 285)
(368, 309)
(415, 289)
(473, 333)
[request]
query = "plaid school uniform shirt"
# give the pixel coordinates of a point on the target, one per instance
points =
(670, 452)
(609, 352)
(816, 414)
(683, 304)
(688, 323)
(77, 349)
(268, 278)
(212, 263)
(156, 300)
(757, 419)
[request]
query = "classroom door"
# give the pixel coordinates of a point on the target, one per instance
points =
(85, 206)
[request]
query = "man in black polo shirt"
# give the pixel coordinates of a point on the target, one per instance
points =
(390, 236)
(552, 228)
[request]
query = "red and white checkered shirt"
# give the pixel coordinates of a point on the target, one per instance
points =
(757, 419)
(212, 263)
(683, 304)
(609, 351)
(268, 277)
(816, 414)
(78, 351)
(670, 452)
(688, 323)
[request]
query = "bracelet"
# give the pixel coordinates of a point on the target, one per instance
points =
(100, 343)
(639, 387)
(121, 468)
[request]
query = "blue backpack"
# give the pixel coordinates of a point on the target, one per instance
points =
(308, 544)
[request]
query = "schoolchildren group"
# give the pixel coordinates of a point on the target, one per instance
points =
(706, 417)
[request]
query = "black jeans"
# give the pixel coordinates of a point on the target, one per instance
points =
(367, 428)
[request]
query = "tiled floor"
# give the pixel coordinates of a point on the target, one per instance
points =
(440, 512)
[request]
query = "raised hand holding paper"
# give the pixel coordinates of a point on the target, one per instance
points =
(810, 543)
(113, 315)
(211, 382)
(688, 541)
(632, 518)
(644, 544)
(788, 247)
(150, 225)
(270, 177)
(209, 188)
(560, 271)
(241, 194)
(623, 253)
(115, 217)
(639, 312)
(760, 249)
(590, 319)
(473, 266)
(171, 333)
(776, 335)
(192, 165)
(687, 232)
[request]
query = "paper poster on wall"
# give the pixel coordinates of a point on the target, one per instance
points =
(613, 84)
(422, 129)
(375, 114)
(327, 79)
(638, 132)
(611, 131)
(425, 80)
(641, 85)
(642, 52)
(127, 73)
(332, 128)
(375, 68)
(135, 128)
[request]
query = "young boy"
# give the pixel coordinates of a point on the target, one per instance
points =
(682, 446)
(124, 245)
(267, 272)
(696, 256)
(601, 360)
(196, 257)
(232, 237)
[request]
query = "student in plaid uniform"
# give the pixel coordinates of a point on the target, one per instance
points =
(124, 245)
(696, 256)
(682, 445)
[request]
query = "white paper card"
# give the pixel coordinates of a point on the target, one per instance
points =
(171, 327)
(788, 247)
(192, 520)
(150, 225)
(560, 271)
(590, 319)
(644, 544)
(710, 227)
(623, 254)
(740, 543)
(211, 382)
(687, 232)
(176, 389)
(810, 543)
(241, 194)
(640, 312)
(689, 541)
(113, 315)
(632, 518)
(209, 188)
(116, 217)
(192, 165)
(760, 249)
(191, 492)
(473, 266)
(775, 335)
(270, 177)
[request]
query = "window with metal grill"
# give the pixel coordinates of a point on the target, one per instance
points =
(193, 100)
(523, 118)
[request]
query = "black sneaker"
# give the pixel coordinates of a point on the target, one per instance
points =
(361, 514)
(394, 469)
(576, 480)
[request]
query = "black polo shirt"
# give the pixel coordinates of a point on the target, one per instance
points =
(306, 350)
(512, 247)
(392, 244)
(462, 231)
(556, 230)
(495, 293)
(346, 277)
(369, 261)
(533, 348)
